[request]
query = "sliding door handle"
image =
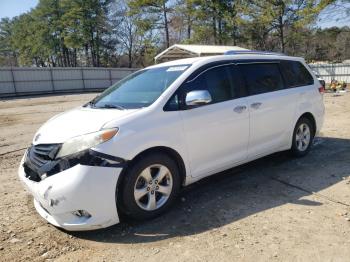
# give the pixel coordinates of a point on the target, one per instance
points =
(256, 105)
(239, 109)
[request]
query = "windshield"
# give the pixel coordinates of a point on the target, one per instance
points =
(140, 89)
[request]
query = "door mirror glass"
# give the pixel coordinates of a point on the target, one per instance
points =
(198, 98)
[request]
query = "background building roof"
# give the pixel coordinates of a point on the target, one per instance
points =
(185, 51)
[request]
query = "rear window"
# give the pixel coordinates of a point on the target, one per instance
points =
(295, 74)
(262, 77)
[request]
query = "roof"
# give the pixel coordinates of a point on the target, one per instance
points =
(186, 51)
(208, 59)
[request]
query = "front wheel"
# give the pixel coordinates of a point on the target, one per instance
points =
(303, 136)
(150, 186)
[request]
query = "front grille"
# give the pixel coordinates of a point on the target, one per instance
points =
(40, 160)
(42, 154)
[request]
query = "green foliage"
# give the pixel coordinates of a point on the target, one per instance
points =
(8, 53)
(157, 15)
(56, 31)
(131, 32)
(276, 17)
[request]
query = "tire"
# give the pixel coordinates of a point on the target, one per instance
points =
(301, 144)
(141, 196)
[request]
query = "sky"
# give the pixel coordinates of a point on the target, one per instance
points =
(337, 15)
(11, 8)
(333, 17)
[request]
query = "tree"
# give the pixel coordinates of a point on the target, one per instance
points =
(211, 22)
(8, 54)
(281, 15)
(127, 32)
(48, 15)
(131, 32)
(29, 39)
(86, 25)
(153, 13)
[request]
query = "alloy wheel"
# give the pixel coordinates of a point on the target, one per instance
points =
(303, 137)
(153, 187)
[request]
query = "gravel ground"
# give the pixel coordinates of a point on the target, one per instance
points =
(274, 209)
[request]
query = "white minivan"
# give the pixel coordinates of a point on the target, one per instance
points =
(132, 148)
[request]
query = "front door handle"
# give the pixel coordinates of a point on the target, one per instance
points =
(239, 109)
(256, 105)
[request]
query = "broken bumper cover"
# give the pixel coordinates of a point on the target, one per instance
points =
(92, 189)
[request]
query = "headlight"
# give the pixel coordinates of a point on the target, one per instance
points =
(80, 143)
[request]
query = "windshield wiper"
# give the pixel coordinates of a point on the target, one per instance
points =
(91, 103)
(112, 106)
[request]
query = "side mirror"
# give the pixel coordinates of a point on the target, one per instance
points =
(198, 98)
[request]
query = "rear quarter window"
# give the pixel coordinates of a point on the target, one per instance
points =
(295, 74)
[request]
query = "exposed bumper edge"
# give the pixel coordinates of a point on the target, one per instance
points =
(88, 188)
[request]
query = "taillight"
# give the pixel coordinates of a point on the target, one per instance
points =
(322, 90)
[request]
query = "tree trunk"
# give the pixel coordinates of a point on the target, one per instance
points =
(67, 55)
(214, 30)
(281, 26)
(130, 58)
(130, 49)
(36, 62)
(189, 21)
(15, 59)
(220, 30)
(75, 57)
(53, 62)
(92, 48)
(166, 26)
(189, 27)
(214, 11)
(87, 55)
(281, 35)
(97, 49)
(63, 54)
(234, 34)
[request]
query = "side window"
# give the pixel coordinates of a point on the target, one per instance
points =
(222, 82)
(262, 78)
(216, 80)
(295, 74)
(238, 88)
(173, 104)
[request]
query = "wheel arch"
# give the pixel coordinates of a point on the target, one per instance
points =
(311, 117)
(159, 149)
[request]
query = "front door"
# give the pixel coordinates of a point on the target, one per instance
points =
(217, 133)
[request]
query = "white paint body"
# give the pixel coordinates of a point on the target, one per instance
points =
(209, 139)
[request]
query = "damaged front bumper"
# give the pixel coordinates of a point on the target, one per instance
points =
(81, 197)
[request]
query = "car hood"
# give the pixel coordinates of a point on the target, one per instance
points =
(78, 121)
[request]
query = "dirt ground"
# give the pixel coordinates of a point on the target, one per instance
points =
(274, 209)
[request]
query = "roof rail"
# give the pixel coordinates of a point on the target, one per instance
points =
(242, 52)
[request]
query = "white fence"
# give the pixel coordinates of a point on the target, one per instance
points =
(23, 81)
(340, 72)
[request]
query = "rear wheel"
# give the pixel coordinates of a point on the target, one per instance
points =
(150, 186)
(303, 136)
